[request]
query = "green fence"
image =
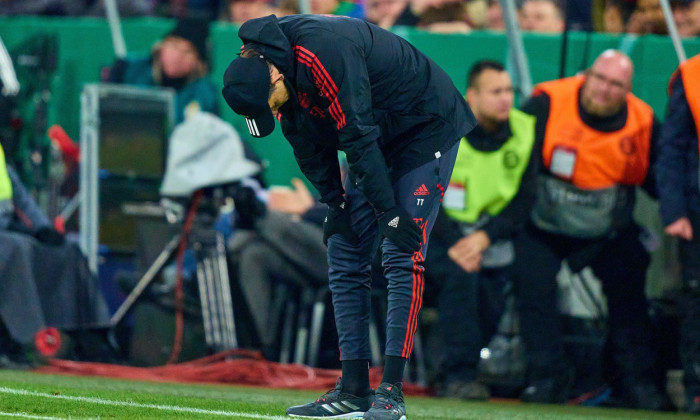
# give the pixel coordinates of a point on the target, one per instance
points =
(84, 47)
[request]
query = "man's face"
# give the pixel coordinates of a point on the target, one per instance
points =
(607, 83)
(494, 16)
(384, 11)
(652, 16)
(540, 16)
(687, 18)
(491, 97)
(323, 7)
(243, 10)
(178, 57)
(612, 20)
(279, 94)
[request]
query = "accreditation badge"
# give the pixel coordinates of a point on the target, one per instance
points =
(563, 162)
(455, 197)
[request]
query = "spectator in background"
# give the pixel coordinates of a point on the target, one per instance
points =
(686, 15)
(126, 8)
(239, 11)
(616, 15)
(179, 61)
(42, 7)
(541, 16)
(445, 16)
(679, 199)
(600, 142)
(288, 7)
(202, 9)
(488, 199)
(389, 13)
(648, 18)
(494, 16)
(336, 7)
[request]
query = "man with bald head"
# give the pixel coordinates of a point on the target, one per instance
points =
(599, 144)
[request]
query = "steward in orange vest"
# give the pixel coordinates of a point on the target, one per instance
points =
(599, 143)
(587, 190)
(679, 204)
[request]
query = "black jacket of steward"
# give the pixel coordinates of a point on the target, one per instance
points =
(361, 89)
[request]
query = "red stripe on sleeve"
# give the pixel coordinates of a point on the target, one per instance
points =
(324, 81)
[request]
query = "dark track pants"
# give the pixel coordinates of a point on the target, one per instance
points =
(690, 308)
(349, 265)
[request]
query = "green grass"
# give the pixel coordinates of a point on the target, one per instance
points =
(33, 395)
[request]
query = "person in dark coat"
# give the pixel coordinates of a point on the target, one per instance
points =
(345, 84)
(179, 61)
(679, 203)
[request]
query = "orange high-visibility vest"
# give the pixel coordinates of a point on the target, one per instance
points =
(602, 159)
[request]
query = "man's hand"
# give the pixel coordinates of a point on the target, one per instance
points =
(681, 228)
(467, 252)
(337, 221)
(398, 226)
(297, 200)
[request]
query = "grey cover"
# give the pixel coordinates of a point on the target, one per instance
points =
(562, 208)
(204, 151)
(46, 286)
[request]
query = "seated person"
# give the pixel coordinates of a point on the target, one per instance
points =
(277, 242)
(492, 187)
(45, 279)
(179, 61)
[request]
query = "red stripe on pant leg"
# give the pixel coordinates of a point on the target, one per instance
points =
(409, 323)
(419, 293)
(416, 304)
(416, 299)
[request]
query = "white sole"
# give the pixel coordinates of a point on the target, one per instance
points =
(341, 416)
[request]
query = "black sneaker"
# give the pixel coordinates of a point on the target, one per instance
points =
(333, 404)
(388, 403)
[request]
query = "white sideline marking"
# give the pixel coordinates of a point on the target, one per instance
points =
(29, 416)
(94, 400)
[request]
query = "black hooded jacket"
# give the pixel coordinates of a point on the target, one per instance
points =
(361, 89)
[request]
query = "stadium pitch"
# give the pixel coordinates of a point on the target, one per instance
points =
(31, 395)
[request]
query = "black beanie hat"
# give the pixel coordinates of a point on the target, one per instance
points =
(196, 31)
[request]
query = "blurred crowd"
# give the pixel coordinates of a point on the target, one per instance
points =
(445, 16)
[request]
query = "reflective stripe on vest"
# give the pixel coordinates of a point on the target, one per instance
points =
(602, 159)
(5, 186)
(488, 181)
(564, 209)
